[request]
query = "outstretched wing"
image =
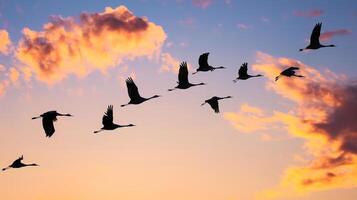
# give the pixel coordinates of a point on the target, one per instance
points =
(47, 124)
(243, 70)
(183, 73)
(315, 35)
(108, 116)
(203, 60)
(17, 161)
(133, 91)
(214, 105)
(292, 68)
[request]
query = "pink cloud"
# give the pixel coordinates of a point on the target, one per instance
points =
(309, 13)
(202, 3)
(328, 35)
(243, 26)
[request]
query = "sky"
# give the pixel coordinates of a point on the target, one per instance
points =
(291, 139)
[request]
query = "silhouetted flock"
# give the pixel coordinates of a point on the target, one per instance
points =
(183, 83)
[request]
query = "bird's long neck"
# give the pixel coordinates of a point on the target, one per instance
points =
(255, 75)
(153, 97)
(197, 84)
(227, 97)
(33, 164)
(221, 67)
(6, 168)
(301, 76)
(327, 45)
(65, 114)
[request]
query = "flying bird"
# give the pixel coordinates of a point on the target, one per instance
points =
(18, 164)
(315, 39)
(47, 121)
(213, 102)
(107, 121)
(133, 93)
(204, 66)
(289, 72)
(183, 78)
(243, 73)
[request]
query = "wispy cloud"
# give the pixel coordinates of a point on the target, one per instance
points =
(328, 35)
(97, 42)
(243, 26)
(202, 3)
(323, 118)
(309, 13)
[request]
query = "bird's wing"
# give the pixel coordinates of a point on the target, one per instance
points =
(108, 116)
(243, 70)
(203, 60)
(292, 68)
(133, 91)
(315, 35)
(214, 105)
(47, 123)
(183, 73)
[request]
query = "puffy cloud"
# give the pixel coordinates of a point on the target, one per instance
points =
(328, 35)
(169, 63)
(96, 41)
(14, 75)
(5, 42)
(202, 3)
(309, 13)
(324, 118)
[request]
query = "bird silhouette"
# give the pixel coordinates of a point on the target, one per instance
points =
(315, 39)
(47, 121)
(204, 66)
(243, 73)
(18, 164)
(289, 72)
(183, 82)
(133, 93)
(213, 102)
(107, 121)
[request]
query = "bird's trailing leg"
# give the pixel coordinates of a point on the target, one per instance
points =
(235, 80)
(98, 131)
(3, 169)
(277, 78)
(124, 105)
(35, 117)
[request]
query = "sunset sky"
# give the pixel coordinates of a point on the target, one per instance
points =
(291, 139)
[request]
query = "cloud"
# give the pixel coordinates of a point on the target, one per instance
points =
(202, 3)
(309, 13)
(188, 22)
(169, 63)
(95, 41)
(14, 75)
(328, 35)
(5, 42)
(324, 117)
(243, 26)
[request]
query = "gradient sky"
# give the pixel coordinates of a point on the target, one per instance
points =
(180, 150)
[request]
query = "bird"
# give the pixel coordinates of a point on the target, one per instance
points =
(203, 64)
(133, 93)
(47, 121)
(243, 73)
(289, 72)
(107, 121)
(18, 164)
(213, 102)
(314, 39)
(183, 78)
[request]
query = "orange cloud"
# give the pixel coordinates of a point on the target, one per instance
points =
(5, 41)
(169, 63)
(97, 41)
(324, 117)
(14, 75)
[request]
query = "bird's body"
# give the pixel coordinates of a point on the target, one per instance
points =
(243, 73)
(18, 164)
(289, 72)
(183, 82)
(107, 121)
(213, 102)
(315, 39)
(47, 121)
(204, 66)
(134, 94)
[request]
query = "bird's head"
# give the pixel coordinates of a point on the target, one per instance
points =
(202, 84)
(68, 115)
(130, 125)
(156, 96)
